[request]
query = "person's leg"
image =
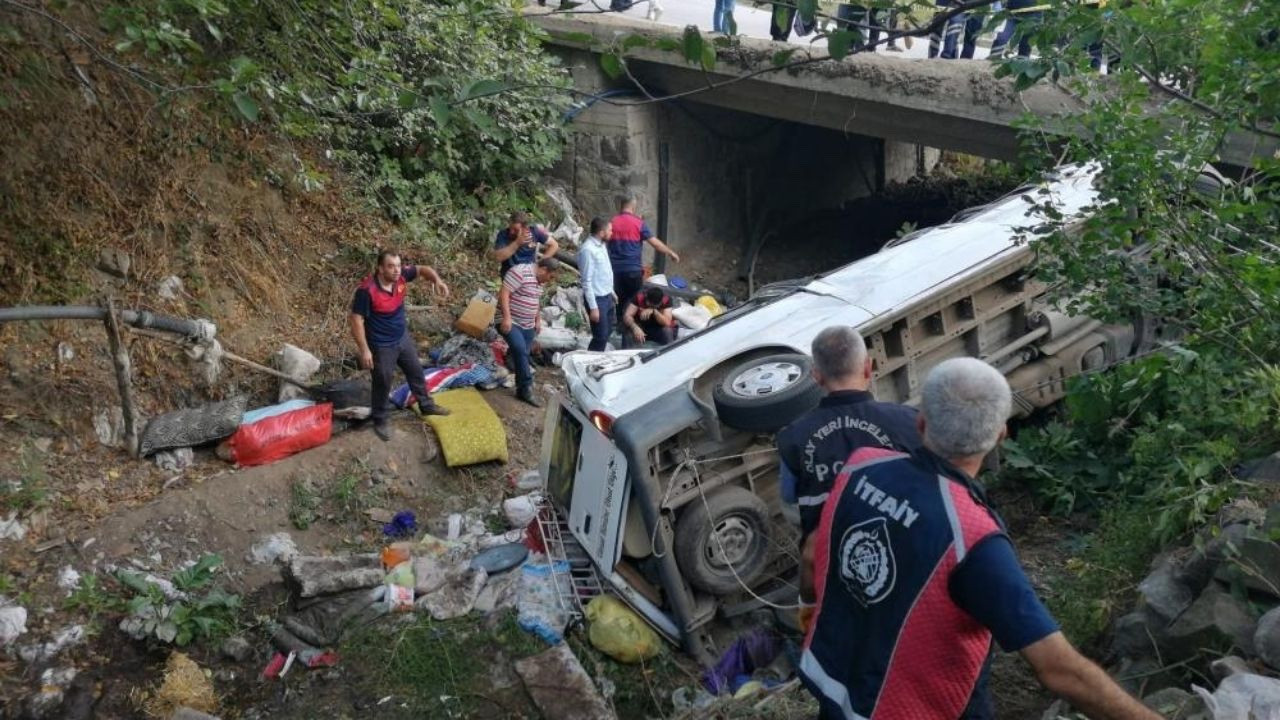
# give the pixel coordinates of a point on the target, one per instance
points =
(659, 335)
(951, 41)
(526, 394)
(1001, 42)
(625, 286)
(384, 365)
(1024, 45)
(935, 34)
(972, 29)
(785, 12)
(893, 28)
(726, 16)
(717, 16)
(600, 331)
(411, 366)
(518, 351)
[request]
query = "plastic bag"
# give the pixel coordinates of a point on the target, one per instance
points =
(281, 436)
(540, 611)
(618, 632)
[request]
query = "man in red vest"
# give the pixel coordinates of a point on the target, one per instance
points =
(913, 576)
(381, 333)
(626, 253)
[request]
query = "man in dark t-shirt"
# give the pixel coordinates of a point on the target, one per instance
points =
(379, 327)
(522, 243)
(648, 319)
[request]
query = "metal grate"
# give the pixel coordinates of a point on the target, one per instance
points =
(581, 583)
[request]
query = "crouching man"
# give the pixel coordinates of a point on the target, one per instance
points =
(913, 576)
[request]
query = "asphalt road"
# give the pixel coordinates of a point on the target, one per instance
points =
(753, 21)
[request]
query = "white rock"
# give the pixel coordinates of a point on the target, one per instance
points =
(278, 547)
(66, 353)
(11, 529)
(108, 425)
(65, 638)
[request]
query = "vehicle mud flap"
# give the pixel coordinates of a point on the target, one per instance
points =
(635, 433)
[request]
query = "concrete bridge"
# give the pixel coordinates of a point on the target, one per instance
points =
(953, 105)
(840, 129)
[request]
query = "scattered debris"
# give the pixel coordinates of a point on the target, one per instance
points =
(402, 525)
(316, 575)
(540, 609)
(63, 639)
(526, 481)
(298, 364)
(457, 596)
(275, 547)
(752, 651)
(170, 288)
(500, 592)
(618, 632)
(53, 685)
(11, 528)
(175, 460)
(278, 436)
(13, 622)
(192, 426)
(521, 510)
(236, 648)
(184, 685)
(500, 558)
(478, 315)
(66, 353)
(68, 578)
(560, 688)
(1243, 697)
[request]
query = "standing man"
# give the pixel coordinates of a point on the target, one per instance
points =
(914, 575)
(597, 283)
(814, 447)
(648, 318)
(382, 336)
(519, 243)
(519, 301)
(630, 233)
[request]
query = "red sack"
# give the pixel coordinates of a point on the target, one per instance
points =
(280, 436)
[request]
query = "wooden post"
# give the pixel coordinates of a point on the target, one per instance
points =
(124, 380)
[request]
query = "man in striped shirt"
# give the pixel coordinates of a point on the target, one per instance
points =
(519, 301)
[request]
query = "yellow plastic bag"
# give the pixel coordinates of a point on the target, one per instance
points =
(618, 632)
(710, 305)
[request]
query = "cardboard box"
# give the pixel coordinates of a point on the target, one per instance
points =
(478, 316)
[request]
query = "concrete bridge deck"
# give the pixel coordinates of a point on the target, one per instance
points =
(954, 104)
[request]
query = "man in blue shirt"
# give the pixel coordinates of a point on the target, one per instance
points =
(381, 333)
(521, 243)
(597, 282)
(913, 576)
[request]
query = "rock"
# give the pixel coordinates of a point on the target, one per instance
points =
(1199, 566)
(1266, 470)
(66, 353)
(13, 622)
(1256, 564)
(560, 688)
(236, 648)
(1266, 639)
(1225, 667)
(170, 288)
(53, 685)
(1143, 675)
(43, 444)
(1174, 703)
(1241, 511)
(1243, 697)
(175, 460)
(114, 262)
(1163, 593)
(1132, 635)
(108, 425)
(278, 546)
(186, 713)
(317, 575)
(1215, 620)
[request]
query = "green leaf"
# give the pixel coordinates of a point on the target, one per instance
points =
(781, 17)
(782, 57)
(839, 42)
(213, 30)
(634, 41)
(612, 64)
(483, 88)
(247, 106)
(408, 100)
(691, 44)
(575, 38)
(440, 110)
(668, 44)
(808, 9)
(708, 56)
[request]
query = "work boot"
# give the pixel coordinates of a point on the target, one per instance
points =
(525, 395)
(383, 431)
(432, 409)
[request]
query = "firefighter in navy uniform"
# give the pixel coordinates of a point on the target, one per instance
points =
(814, 447)
(913, 576)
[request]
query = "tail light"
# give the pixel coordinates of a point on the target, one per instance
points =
(602, 422)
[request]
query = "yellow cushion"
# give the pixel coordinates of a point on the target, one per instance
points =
(472, 432)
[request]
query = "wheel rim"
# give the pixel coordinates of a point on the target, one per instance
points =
(731, 542)
(766, 379)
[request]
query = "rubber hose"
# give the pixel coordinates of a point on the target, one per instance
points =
(136, 318)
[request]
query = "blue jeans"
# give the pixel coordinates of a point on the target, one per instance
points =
(600, 331)
(519, 340)
(720, 16)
